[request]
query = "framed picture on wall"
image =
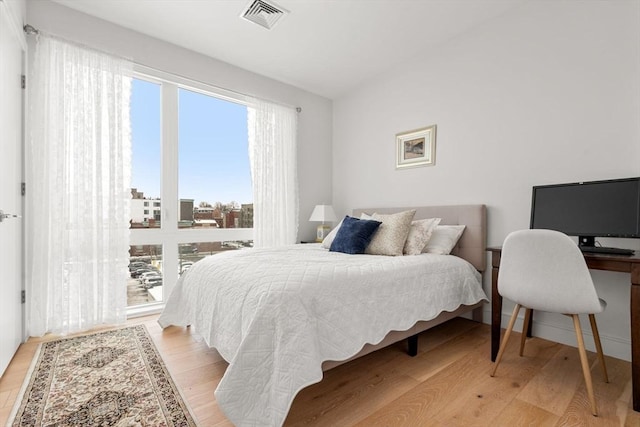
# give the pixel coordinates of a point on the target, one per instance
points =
(416, 148)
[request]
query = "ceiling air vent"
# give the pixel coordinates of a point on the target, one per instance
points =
(264, 14)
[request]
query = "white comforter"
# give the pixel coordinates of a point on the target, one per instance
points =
(276, 314)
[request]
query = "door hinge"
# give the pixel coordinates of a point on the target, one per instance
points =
(23, 297)
(23, 188)
(23, 81)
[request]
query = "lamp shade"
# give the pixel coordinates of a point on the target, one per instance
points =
(323, 213)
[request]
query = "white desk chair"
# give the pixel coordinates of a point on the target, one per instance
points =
(544, 270)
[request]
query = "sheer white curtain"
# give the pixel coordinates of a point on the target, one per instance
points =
(78, 188)
(274, 172)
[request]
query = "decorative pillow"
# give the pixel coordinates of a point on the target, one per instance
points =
(419, 234)
(326, 242)
(354, 235)
(390, 237)
(444, 239)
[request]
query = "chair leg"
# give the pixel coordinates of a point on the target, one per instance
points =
(507, 334)
(596, 338)
(523, 338)
(585, 364)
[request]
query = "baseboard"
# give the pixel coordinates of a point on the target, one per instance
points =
(144, 310)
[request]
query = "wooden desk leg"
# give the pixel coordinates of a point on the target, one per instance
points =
(635, 335)
(496, 314)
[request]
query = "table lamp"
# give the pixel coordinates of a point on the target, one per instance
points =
(322, 213)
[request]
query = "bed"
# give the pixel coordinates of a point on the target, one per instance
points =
(281, 316)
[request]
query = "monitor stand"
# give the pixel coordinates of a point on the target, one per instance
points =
(588, 244)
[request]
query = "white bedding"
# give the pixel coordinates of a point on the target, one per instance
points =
(276, 314)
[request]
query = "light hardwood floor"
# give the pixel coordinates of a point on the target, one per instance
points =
(447, 384)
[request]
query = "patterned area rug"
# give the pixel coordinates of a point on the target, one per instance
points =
(112, 378)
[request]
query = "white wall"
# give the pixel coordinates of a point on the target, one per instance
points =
(17, 10)
(315, 120)
(547, 93)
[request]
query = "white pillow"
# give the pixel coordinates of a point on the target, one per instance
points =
(419, 235)
(326, 242)
(444, 239)
(392, 234)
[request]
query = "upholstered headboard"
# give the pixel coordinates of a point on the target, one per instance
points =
(472, 245)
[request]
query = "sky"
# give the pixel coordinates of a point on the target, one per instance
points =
(213, 160)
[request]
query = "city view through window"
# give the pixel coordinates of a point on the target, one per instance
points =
(213, 183)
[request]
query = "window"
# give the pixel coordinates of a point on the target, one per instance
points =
(145, 158)
(189, 146)
(213, 161)
(145, 275)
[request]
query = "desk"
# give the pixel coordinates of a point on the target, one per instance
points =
(625, 264)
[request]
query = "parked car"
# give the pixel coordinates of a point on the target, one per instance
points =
(140, 271)
(137, 264)
(153, 281)
(148, 274)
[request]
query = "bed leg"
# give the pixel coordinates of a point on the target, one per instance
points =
(413, 345)
(477, 314)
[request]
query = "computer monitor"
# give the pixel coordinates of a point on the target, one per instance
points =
(609, 208)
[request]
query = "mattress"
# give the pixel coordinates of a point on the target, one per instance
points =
(276, 314)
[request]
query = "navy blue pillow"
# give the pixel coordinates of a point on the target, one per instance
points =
(354, 235)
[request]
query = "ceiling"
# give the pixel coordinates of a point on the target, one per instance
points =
(324, 46)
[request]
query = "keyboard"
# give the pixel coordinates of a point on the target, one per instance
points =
(606, 250)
